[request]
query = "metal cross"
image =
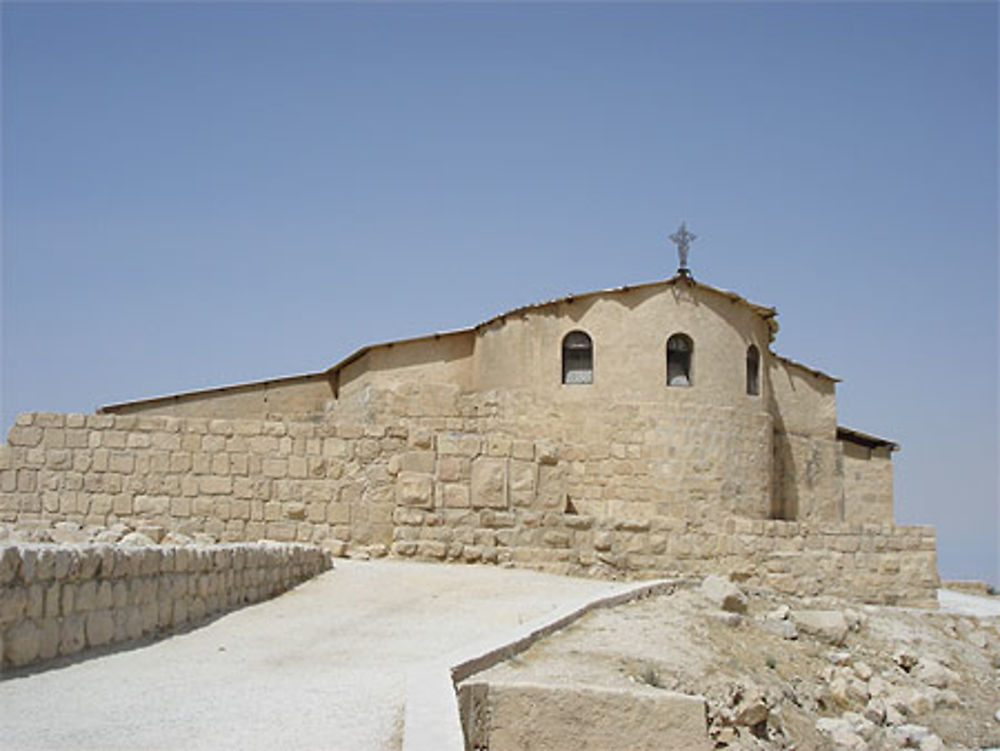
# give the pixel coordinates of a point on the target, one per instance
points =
(683, 239)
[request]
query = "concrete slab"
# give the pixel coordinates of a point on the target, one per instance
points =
(323, 666)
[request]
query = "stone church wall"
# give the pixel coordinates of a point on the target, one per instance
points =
(445, 488)
(867, 483)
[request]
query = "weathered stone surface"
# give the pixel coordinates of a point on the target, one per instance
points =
(137, 539)
(827, 625)
(414, 489)
(529, 716)
(933, 673)
(22, 643)
(489, 483)
(99, 628)
(724, 593)
(66, 533)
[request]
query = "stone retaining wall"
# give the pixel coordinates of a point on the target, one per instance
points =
(58, 600)
(875, 563)
(441, 491)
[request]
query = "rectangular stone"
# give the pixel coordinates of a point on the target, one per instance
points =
(414, 489)
(489, 483)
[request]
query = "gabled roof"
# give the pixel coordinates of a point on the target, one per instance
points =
(767, 313)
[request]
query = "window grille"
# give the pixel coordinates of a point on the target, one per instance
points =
(680, 348)
(577, 358)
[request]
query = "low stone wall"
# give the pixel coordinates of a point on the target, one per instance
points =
(58, 600)
(875, 563)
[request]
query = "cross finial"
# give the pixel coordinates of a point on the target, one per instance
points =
(683, 239)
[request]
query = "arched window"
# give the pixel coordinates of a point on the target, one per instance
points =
(680, 348)
(753, 370)
(577, 358)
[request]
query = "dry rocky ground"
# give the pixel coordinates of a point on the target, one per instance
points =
(785, 673)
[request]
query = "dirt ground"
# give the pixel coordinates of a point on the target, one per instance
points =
(787, 673)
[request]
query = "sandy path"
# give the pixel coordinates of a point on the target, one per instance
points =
(322, 666)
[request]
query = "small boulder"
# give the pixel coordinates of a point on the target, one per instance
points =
(176, 538)
(68, 533)
(839, 658)
(875, 711)
(753, 713)
(153, 531)
(784, 629)
(725, 594)
(827, 625)
(109, 535)
(780, 613)
(933, 673)
(863, 671)
(137, 539)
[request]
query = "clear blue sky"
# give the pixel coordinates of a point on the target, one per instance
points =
(200, 194)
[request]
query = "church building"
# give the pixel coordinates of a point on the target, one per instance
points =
(664, 398)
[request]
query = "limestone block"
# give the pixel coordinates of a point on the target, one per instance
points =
(100, 628)
(281, 531)
(24, 436)
(724, 593)
(498, 445)
(489, 483)
(120, 461)
(933, 673)
(414, 489)
(218, 485)
(274, 468)
(13, 601)
(48, 638)
(459, 444)
(146, 505)
(827, 625)
(523, 482)
(22, 643)
(71, 634)
(453, 495)
(552, 490)
(546, 452)
(431, 549)
(453, 468)
(535, 716)
(34, 606)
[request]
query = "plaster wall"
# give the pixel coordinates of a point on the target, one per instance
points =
(629, 330)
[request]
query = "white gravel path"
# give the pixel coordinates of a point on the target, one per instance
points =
(321, 667)
(960, 603)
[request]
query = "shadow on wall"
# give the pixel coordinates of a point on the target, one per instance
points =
(784, 483)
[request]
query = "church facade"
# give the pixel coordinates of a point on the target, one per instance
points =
(667, 393)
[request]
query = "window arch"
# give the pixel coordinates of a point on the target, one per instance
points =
(577, 358)
(680, 350)
(753, 370)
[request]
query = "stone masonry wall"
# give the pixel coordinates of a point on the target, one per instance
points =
(437, 490)
(59, 600)
(875, 563)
